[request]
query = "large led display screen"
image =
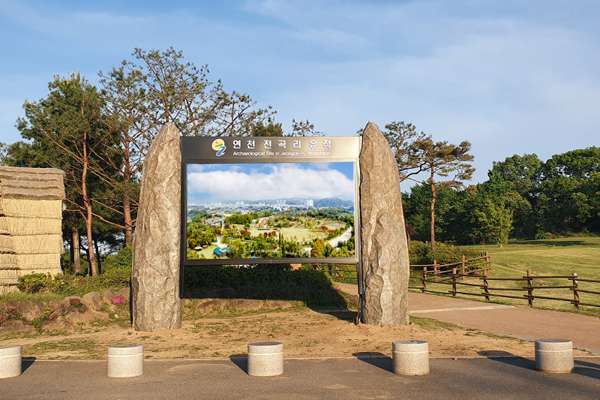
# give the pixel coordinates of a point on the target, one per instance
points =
(250, 208)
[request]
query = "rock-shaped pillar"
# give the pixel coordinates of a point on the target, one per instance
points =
(384, 249)
(155, 276)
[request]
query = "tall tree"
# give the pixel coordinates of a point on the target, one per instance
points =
(568, 194)
(67, 130)
(443, 160)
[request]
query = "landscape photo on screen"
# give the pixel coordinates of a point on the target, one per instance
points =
(274, 210)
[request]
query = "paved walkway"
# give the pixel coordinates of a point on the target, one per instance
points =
(305, 379)
(522, 322)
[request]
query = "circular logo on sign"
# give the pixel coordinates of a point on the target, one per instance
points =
(218, 144)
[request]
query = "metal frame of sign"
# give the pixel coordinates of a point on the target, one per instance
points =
(242, 150)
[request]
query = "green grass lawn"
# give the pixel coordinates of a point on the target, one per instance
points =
(552, 257)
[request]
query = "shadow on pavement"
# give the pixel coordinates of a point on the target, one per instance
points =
(27, 362)
(508, 358)
(376, 359)
(241, 361)
(586, 368)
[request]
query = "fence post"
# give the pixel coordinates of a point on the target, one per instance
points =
(435, 271)
(424, 285)
(454, 282)
(485, 285)
(487, 258)
(575, 291)
(529, 288)
(463, 268)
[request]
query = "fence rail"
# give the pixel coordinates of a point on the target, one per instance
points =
(475, 273)
(489, 291)
(468, 267)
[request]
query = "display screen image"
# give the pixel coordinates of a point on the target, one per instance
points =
(281, 210)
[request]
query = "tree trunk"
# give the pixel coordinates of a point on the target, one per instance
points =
(88, 208)
(75, 252)
(128, 221)
(433, 195)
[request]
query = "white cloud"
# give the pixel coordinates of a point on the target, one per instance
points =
(283, 181)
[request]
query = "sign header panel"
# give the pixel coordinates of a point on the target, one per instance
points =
(268, 149)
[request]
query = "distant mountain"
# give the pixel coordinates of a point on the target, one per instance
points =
(332, 202)
(298, 201)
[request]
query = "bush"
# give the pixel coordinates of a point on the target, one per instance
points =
(266, 282)
(37, 283)
(420, 253)
(74, 285)
(122, 260)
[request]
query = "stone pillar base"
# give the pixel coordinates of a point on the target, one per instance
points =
(125, 361)
(554, 356)
(411, 357)
(10, 361)
(265, 359)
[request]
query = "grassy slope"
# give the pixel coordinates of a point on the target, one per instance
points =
(544, 258)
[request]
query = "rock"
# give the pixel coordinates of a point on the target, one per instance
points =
(108, 294)
(58, 324)
(86, 317)
(13, 304)
(384, 249)
(92, 300)
(246, 304)
(155, 276)
(125, 292)
(278, 304)
(211, 305)
(16, 325)
(59, 306)
(31, 309)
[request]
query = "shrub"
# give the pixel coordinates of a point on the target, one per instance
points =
(72, 285)
(122, 260)
(266, 282)
(420, 253)
(37, 283)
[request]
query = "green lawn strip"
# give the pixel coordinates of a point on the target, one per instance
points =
(552, 257)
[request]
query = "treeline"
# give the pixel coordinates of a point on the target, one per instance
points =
(523, 198)
(99, 136)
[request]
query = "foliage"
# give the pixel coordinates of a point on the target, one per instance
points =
(122, 260)
(420, 253)
(402, 138)
(71, 285)
(494, 222)
(266, 282)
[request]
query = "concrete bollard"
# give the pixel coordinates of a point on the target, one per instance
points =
(10, 361)
(554, 356)
(411, 357)
(265, 359)
(125, 360)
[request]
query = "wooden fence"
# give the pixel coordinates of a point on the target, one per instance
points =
(488, 291)
(475, 273)
(474, 266)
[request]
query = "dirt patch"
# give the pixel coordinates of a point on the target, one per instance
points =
(304, 332)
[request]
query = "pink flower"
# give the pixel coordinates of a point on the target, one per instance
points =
(118, 300)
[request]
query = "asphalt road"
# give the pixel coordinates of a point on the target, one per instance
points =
(522, 322)
(365, 378)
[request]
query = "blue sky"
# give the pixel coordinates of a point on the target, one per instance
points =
(510, 76)
(238, 182)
